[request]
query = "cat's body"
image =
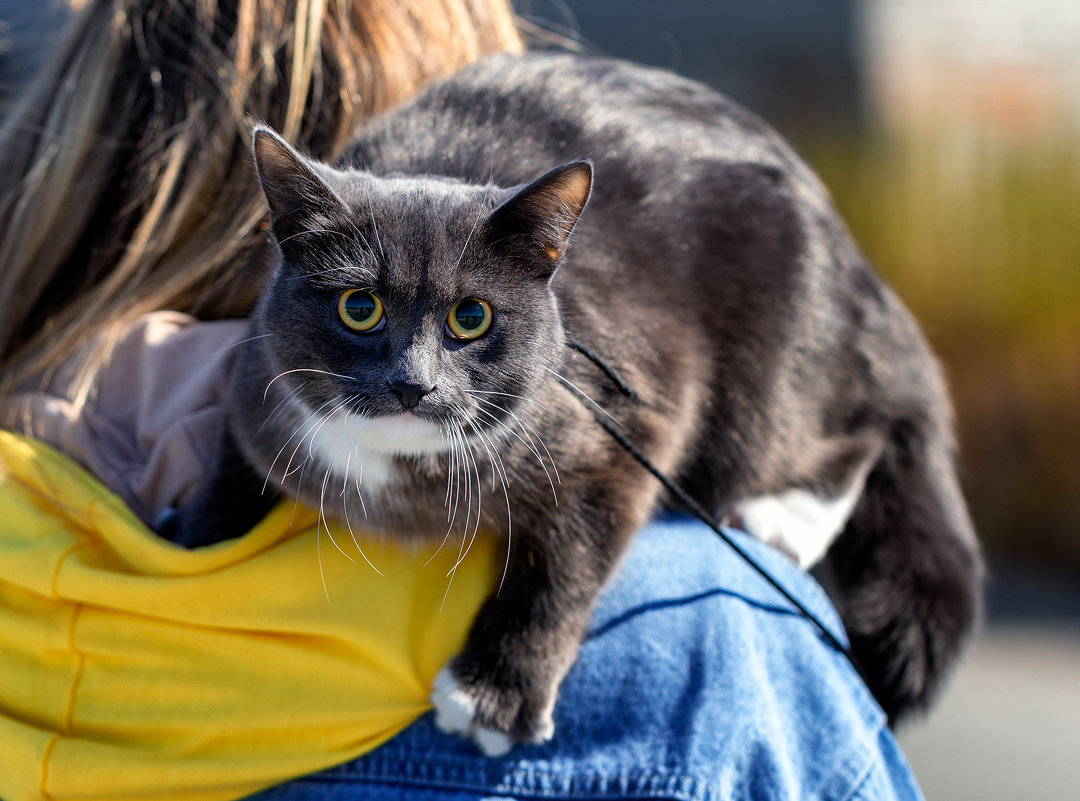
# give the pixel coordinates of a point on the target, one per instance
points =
(779, 381)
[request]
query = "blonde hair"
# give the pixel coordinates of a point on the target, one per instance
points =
(128, 181)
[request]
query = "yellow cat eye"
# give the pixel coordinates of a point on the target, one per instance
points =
(360, 310)
(469, 319)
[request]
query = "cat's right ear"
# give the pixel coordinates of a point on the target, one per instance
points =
(299, 198)
(538, 219)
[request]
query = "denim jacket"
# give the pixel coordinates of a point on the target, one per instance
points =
(697, 681)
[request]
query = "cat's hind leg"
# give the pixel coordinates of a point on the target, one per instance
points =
(798, 522)
(908, 570)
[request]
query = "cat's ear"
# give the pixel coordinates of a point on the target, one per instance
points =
(298, 196)
(538, 219)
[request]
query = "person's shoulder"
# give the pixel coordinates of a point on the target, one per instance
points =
(696, 681)
(722, 675)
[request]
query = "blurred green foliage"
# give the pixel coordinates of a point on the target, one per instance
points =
(982, 240)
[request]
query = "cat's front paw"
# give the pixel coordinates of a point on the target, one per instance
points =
(494, 717)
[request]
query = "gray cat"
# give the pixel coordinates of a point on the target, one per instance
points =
(410, 346)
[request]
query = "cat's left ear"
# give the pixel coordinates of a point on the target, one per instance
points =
(295, 191)
(539, 218)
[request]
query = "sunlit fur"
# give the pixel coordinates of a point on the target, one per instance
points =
(708, 266)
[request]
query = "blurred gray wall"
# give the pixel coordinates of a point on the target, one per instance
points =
(29, 29)
(795, 62)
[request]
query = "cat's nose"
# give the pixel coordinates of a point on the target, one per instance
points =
(408, 393)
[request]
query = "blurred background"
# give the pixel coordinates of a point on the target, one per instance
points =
(949, 134)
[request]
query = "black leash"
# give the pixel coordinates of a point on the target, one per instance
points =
(607, 369)
(683, 497)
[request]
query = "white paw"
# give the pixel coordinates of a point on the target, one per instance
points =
(454, 709)
(545, 730)
(455, 713)
(492, 743)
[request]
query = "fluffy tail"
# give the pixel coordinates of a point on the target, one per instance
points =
(908, 571)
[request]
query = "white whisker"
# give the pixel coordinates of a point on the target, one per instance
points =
(296, 500)
(375, 228)
(449, 473)
(443, 429)
(352, 401)
(219, 351)
(498, 468)
(532, 432)
(531, 448)
(303, 370)
(352, 535)
(458, 463)
(529, 432)
(290, 395)
(314, 434)
(479, 501)
(356, 417)
(584, 394)
(479, 489)
(505, 395)
(345, 480)
(311, 432)
(460, 438)
(309, 232)
(318, 558)
(358, 475)
(469, 237)
(290, 439)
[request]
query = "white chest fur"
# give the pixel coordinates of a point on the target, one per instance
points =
(360, 449)
(354, 449)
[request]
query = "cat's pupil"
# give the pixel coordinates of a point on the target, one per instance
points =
(469, 315)
(360, 306)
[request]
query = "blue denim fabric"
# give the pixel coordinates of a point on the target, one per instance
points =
(696, 682)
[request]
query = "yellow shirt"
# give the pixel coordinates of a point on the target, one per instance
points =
(135, 669)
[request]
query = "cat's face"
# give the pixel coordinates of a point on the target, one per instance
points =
(419, 309)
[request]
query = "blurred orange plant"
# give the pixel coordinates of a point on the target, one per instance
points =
(981, 237)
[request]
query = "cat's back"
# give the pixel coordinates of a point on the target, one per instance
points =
(697, 205)
(508, 118)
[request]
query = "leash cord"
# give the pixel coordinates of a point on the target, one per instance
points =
(684, 498)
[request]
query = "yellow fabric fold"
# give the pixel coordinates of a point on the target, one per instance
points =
(134, 669)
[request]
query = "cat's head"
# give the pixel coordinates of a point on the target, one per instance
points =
(419, 307)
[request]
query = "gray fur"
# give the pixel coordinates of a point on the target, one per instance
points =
(709, 267)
